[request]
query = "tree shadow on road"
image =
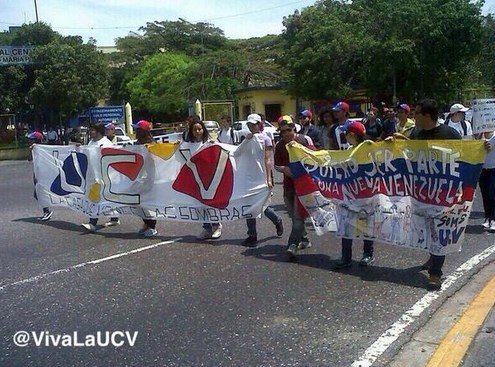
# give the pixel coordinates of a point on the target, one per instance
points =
(411, 276)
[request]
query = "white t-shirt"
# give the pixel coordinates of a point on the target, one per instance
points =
(103, 142)
(225, 136)
(458, 126)
(340, 136)
(490, 156)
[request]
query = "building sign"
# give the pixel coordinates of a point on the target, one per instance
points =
(107, 114)
(15, 55)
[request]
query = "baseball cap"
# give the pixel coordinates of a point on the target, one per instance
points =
(458, 108)
(341, 106)
(110, 126)
(36, 135)
(354, 127)
(254, 118)
(405, 107)
(307, 113)
(285, 119)
(142, 124)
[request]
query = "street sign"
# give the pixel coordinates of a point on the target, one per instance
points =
(107, 114)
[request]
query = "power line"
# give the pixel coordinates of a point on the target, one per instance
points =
(204, 20)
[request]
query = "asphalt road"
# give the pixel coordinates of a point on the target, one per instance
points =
(198, 303)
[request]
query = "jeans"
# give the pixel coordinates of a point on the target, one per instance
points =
(347, 249)
(151, 223)
(298, 231)
(210, 227)
(251, 222)
(487, 188)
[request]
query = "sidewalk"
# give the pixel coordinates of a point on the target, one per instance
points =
(461, 332)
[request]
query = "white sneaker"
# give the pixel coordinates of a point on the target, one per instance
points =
(46, 216)
(112, 223)
(204, 235)
(150, 232)
(486, 224)
(492, 226)
(90, 227)
(217, 233)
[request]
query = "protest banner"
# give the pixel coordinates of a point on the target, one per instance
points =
(184, 182)
(414, 194)
(483, 119)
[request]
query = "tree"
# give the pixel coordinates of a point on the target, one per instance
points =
(163, 84)
(425, 46)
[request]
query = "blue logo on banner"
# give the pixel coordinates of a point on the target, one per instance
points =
(72, 175)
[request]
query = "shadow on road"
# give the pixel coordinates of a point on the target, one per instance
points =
(410, 276)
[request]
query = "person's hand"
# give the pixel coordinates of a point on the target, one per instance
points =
(32, 146)
(288, 172)
(249, 136)
(487, 145)
(270, 184)
(400, 136)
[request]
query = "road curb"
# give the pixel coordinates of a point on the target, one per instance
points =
(428, 340)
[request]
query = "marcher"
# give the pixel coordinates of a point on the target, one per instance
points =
(143, 136)
(298, 238)
(326, 121)
(308, 128)
(253, 123)
(457, 120)
(52, 136)
(487, 183)
(98, 139)
(373, 124)
(336, 134)
(404, 124)
(389, 124)
(197, 133)
(227, 134)
(355, 134)
(37, 138)
(110, 133)
(430, 129)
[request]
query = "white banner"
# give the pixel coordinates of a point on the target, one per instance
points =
(191, 182)
(483, 115)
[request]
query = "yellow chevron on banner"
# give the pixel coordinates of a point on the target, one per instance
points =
(164, 150)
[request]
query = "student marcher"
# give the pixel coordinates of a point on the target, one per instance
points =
(197, 133)
(457, 120)
(428, 128)
(110, 133)
(253, 123)
(98, 139)
(487, 183)
(355, 134)
(227, 134)
(37, 138)
(298, 238)
(143, 136)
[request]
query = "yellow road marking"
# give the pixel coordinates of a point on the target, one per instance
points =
(454, 346)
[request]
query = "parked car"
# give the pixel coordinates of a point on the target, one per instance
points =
(242, 130)
(121, 135)
(212, 126)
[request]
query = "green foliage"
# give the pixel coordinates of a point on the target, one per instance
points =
(162, 85)
(426, 45)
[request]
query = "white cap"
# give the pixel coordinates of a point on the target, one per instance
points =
(254, 118)
(458, 108)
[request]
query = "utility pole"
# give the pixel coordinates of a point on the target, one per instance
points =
(36, 10)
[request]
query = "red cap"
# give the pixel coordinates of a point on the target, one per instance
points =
(355, 127)
(341, 106)
(142, 124)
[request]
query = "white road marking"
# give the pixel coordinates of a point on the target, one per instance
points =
(392, 334)
(93, 262)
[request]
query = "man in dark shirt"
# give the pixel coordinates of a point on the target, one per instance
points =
(428, 128)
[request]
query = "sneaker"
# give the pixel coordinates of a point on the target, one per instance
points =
(46, 216)
(341, 264)
(427, 265)
(434, 283)
(492, 226)
(150, 232)
(250, 241)
(204, 235)
(486, 224)
(217, 233)
(304, 244)
(112, 223)
(366, 260)
(280, 228)
(90, 227)
(142, 230)
(291, 250)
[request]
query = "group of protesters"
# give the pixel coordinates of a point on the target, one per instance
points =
(335, 131)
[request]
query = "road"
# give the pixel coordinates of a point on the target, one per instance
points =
(210, 303)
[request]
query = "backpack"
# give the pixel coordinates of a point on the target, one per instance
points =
(463, 125)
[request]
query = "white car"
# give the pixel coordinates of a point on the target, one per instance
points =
(242, 130)
(212, 126)
(121, 135)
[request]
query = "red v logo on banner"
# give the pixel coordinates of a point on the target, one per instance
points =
(208, 177)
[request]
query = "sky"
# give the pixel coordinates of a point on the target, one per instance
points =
(105, 20)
